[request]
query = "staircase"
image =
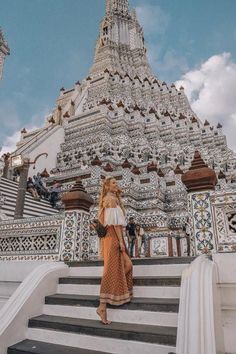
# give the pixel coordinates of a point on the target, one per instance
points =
(11, 276)
(147, 325)
(7, 288)
(33, 208)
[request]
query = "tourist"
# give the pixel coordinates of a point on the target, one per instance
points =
(41, 189)
(131, 234)
(117, 280)
(31, 189)
(54, 194)
(16, 175)
(140, 239)
(187, 230)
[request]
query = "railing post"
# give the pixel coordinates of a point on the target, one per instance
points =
(200, 181)
(76, 228)
(20, 200)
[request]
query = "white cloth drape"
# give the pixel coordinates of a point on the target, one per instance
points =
(197, 324)
(114, 216)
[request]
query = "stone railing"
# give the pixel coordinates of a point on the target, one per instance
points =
(31, 239)
(212, 213)
(68, 236)
(211, 219)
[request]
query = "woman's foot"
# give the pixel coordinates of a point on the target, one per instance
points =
(102, 313)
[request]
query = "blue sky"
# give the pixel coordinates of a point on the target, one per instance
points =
(52, 44)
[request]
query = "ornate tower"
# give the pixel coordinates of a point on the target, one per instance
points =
(120, 45)
(4, 50)
(117, 5)
(122, 120)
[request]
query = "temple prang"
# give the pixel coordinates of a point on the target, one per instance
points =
(121, 120)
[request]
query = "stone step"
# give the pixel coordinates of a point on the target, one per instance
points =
(7, 288)
(119, 330)
(174, 270)
(138, 261)
(32, 208)
(138, 281)
(29, 212)
(93, 342)
(145, 304)
(139, 291)
(3, 300)
(154, 318)
(35, 347)
(29, 201)
(11, 192)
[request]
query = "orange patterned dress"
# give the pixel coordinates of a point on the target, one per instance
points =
(116, 286)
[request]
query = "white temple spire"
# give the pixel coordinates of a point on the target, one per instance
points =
(120, 29)
(108, 6)
(121, 6)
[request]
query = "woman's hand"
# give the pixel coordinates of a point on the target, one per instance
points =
(122, 247)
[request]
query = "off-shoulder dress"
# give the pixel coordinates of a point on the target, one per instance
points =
(116, 286)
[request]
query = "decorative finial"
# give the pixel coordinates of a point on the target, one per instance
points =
(200, 176)
(77, 198)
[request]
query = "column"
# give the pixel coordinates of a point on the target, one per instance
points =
(76, 228)
(20, 201)
(200, 181)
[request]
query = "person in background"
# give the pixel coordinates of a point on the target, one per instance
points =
(140, 238)
(131, 234)
(16, 175)
(41, 189)
(31, 189)
(54, 194)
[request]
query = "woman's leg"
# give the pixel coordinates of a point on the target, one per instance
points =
(102, 313)
(35, 194)
(30, 191)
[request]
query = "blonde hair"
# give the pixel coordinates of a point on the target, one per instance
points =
(105, 190)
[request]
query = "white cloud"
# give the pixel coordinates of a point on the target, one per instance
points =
(14, 124)
(9, 144)
(153, 19)
(9, 118)
(211, 89)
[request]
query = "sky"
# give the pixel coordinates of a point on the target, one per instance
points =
(191, 43)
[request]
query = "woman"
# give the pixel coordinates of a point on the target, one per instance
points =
(117, 281)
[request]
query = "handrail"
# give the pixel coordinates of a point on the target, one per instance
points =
(27, 301)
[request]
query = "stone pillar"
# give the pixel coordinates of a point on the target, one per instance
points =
(200, 181)
(5, 173)
(76, 228)
(20, 200)
(2, 202)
